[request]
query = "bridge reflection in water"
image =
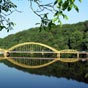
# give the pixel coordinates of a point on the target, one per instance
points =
(36, 55)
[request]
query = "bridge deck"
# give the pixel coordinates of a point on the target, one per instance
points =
(46, 52)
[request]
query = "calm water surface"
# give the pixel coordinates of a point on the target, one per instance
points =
(14, 78)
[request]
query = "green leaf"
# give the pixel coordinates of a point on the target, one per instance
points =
(65, 16)
(70, 7)
(11, 23)
(55, 19)
(80, 0)
(65, 5)
(55, 2)
(0, 1)
(76, 8)
(2, 27)
(45, 15)
(60, 23)
(72, 1)
(7, 30)
(59, 1)
(56, 13)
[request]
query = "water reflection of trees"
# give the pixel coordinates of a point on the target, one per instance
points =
(76, 71)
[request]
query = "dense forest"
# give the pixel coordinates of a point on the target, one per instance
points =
(69, 36)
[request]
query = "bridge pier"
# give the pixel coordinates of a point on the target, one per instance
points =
(58, 55)
(6, 54)
(78, 55)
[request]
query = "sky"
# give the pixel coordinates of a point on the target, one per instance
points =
(27, 19)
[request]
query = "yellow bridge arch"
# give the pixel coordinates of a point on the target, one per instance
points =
(34, 43)
(52, 51)
(71, 51)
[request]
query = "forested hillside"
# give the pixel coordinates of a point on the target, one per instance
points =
(72, 36)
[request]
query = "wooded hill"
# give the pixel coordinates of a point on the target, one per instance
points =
(69, 36)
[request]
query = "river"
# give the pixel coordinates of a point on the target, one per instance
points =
(16, 77)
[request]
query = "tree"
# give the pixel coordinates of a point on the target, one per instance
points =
(57, 9)
(76, 40)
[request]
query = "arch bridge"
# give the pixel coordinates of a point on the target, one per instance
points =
(36, 55)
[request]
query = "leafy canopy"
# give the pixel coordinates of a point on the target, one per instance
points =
(43, 10)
